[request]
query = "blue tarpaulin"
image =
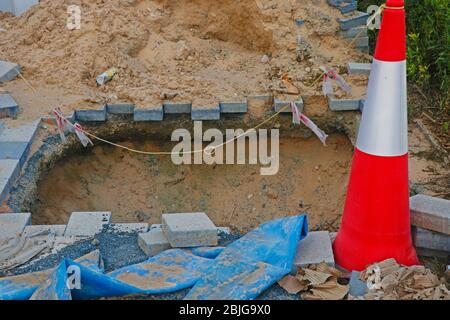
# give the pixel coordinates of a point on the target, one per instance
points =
(242, 270)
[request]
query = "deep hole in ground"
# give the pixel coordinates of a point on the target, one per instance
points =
(135, 187)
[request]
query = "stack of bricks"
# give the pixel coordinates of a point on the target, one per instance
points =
(179, 230)
(430, 218)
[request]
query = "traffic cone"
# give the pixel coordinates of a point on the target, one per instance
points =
(375, 224)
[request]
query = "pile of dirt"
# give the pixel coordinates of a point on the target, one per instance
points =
(197, 50)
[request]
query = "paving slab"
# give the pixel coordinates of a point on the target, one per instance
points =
(13, 224)
(14, 151)
(205, 113)
(359, 19)
(120, 108)
(149, 114)
(359, 68)
(32, 230)
(343, 104)
(279, 104)
(175, 108)
(90, 115)
(9, 172)
(8, 71)
(431, 240)
(24, 133)
(430, 213)
(153, 242)
(8, 106)
(314, 249)
(87, 223)
(233, 107)
(192, 229)
(348, 7)
(351, 33)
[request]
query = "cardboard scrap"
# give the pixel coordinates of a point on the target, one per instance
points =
(317, 282)
(388, 280)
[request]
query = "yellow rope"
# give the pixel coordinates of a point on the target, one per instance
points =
(210, 149)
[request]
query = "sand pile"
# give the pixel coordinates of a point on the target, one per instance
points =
(180, 50)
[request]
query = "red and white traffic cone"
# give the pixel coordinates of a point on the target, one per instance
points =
(375, 224)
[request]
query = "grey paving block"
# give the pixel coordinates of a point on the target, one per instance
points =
(359, 68)
(233, 107)
(278, 105)
(87, 223)
(149, 114)
(8, 71)
(430, 213)
(189, 229)
(205, 113)
(361, 104)
(360, 42)
(130, 227)
(8, 106)
(32, 230)
(153, 242)
(175, 108)
(348, 7)
(431, 240)
(24, 133)
(359, 19)
(314, 249)
(343, 104)
(10, 150)
(13, 224)
(357, 287)
(120, 108)
(351, 33)
(9, 172)
(90, 115)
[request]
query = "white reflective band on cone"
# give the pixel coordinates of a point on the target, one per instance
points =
(383, 130)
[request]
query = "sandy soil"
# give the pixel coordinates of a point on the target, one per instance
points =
(139, 188)
(197, 50)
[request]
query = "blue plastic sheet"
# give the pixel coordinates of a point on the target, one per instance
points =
(242, 270)
(22, 287)
(253, 263)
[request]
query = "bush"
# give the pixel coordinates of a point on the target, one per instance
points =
(428, 44)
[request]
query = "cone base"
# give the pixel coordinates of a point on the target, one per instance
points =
(375, 224)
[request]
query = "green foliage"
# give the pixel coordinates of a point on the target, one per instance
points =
(428, 44)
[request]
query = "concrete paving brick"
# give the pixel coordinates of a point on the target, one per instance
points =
(314, 249)
(32, 230)
(278, 105)
(357, 287)
(359, 19)
(130, 227)
(120, 108)
(13, 224)
(205, 113)
(343, 104)
(9, 172)
(348, 7)
(149, 114)
(193, 229)
(8, 106)
(233, 107)
(14, 151)
(351, 33)
(175, 108)
(431, 240)
(430, 213)
(360, 42)
(359, 68)
(25, 133)
(87, 223)
(153, 242)
(8, 71)
(90, 115)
